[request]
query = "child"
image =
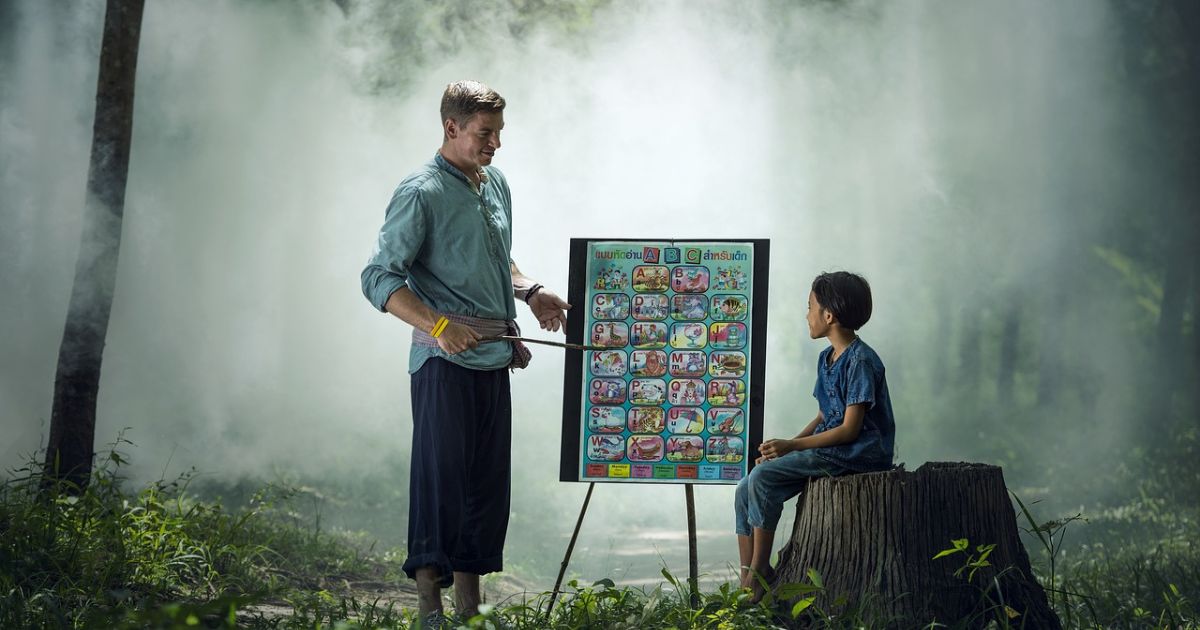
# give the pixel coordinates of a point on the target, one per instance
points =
(853, 432)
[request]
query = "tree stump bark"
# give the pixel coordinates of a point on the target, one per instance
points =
(872, 538)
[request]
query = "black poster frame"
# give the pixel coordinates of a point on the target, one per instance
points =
(573, 360)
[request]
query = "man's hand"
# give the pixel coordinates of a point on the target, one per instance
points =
(549, 309)
(457, 338)
(774, 449)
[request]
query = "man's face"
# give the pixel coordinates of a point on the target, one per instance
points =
(474, 143)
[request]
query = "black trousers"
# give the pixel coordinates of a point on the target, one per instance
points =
(460, 480)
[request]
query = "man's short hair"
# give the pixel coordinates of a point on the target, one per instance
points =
(846, 295)
(464, 99)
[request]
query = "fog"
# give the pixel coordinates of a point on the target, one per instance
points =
(968, 158)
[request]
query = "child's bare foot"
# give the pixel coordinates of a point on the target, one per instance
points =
(755, 580)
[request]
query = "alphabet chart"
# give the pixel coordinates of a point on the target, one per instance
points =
(668, 398)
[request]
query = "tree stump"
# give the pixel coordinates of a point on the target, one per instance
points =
(872, 538)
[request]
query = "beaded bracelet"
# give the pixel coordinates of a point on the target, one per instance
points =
(532, 291)
(440, 326)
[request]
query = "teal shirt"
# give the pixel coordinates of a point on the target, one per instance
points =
(450, 245)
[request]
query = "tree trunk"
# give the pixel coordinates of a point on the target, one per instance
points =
(872, 538)
(969, 338)
(1049, 351)
(1194, 367)
(1164, 379)
(77, 380)
(943, 357)
(1009, 343)
(1188, 212)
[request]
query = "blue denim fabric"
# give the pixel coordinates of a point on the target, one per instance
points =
(451, 246)
(761, 494)
(857, 376)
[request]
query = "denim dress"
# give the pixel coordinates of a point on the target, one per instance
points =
(857, 376)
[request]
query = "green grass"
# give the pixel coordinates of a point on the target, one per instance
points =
(159, 557)
(93, 558)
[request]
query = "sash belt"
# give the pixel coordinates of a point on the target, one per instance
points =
(486, 328)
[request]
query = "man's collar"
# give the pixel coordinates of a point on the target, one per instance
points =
(445, 165)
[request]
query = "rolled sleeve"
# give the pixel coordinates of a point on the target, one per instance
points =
(398, 245)
(860, 383)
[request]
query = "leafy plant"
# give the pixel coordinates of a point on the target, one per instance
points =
(1045, 534)
(975, 560)
(114, 556)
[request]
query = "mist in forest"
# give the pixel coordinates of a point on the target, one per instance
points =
(1011, 177)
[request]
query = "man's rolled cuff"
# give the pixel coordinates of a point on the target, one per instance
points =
(378, 285)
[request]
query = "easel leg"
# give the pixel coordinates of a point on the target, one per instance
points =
(693, 565)
(562, 570)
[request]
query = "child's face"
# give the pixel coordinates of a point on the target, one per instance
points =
(819, 319)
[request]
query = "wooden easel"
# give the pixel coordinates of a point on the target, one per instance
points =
(693, 565)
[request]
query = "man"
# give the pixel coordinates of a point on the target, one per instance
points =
(442, 265)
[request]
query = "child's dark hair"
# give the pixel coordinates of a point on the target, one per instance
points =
(846, 295)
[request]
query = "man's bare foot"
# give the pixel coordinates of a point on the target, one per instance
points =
(429, 594)
(466, 594)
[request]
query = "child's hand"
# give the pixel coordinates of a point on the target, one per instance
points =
(772, 449)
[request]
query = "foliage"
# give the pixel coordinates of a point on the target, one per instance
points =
(158, 557)
(975, 560)
(403, 36)
(71, 558)
(1128, 587)
(1137, 582)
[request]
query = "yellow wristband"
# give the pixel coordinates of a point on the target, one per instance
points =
(441, 324)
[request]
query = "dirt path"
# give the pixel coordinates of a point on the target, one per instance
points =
(634, 560)
(402, 594)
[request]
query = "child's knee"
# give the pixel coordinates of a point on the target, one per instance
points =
(755, 483)
(742, 492)
(759, 475)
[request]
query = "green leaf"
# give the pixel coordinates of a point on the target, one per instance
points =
(1029, 517)
(652, 603)
(801, 605)
(795, 589)
(605, 582)
(815, 578)
(670, 578)
(959, 544)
